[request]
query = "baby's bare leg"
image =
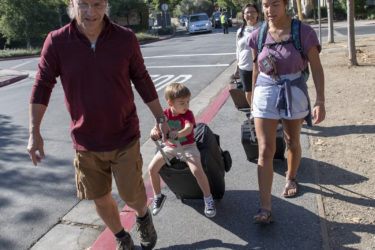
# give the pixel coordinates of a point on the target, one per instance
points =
(196, 169)
(154, 168)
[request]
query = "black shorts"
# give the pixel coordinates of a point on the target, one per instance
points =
(246, 79)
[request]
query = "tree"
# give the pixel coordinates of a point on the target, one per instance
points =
(28, 20)
(351, 34)
(194, 6)
(300, 15)
(330, 20)
(172, 4)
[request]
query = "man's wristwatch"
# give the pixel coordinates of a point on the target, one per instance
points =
(162, 119)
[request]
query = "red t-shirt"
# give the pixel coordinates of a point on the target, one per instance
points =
(97, 87)
(178, 123)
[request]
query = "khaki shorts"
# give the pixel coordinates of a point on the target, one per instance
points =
(189, 150)
(93, 172)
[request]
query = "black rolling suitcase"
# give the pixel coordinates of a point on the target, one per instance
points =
(250, 143)
(215, 163)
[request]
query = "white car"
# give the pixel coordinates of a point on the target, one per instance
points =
(199, 23)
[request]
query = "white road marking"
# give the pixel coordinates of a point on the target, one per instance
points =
(188, 66)
(176, 79)
(167, 78)
(189, 55)
(24, 63)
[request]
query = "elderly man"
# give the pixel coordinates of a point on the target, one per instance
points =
(96, 60)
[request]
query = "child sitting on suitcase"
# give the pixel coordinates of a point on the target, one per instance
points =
(181, 122)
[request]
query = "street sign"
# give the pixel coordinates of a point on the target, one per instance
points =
(164, 7)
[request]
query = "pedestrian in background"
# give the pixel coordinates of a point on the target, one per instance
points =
(96, 61)
(224, 22)
(280, 92)
(244, 65)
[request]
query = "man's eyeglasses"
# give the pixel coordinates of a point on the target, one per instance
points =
(95, 6)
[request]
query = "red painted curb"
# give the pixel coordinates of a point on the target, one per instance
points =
(211, 111)
(106, 240)
(12, 79)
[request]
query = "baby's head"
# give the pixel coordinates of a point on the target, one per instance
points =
(178, 97)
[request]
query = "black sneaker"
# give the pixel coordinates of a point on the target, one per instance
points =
(158, 204)
(146, 231)
(125, 243)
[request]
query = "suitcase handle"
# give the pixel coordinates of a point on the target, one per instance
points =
(162, 153)
(252, 135)
(165, 157)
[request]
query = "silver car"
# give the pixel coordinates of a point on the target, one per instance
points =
(199, 23)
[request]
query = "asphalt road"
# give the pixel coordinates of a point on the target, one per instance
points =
(32, 200)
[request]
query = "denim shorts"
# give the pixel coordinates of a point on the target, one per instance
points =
(265, 98)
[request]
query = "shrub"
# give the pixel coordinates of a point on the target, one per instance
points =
(339, 13)
(166, 31)
(371, 13)
(323, 11)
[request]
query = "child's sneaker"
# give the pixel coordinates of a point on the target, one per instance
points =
(158, 204)
(209, 208)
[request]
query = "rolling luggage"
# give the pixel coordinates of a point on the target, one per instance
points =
(250, 143)
(215, 162)
(248, 136)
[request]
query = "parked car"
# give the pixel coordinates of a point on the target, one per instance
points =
(183, 19)
(199, 23)
(215, 19)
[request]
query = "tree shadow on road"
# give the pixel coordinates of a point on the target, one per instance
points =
(27, 193)
(295, 227)
(338, 130)
(307, 174)
(17, 173)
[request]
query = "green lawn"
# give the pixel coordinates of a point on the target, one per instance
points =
(142, 37)
(19, 52)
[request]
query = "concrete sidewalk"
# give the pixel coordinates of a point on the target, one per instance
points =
(8, 76)
(184, 226)
(297, 226)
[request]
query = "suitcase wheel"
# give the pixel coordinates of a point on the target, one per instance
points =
(255, 160)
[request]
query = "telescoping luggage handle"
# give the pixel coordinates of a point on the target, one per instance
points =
(165, 157)
(248, 115)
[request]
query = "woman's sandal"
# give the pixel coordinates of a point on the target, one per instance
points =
(292, 185)
(263, 217)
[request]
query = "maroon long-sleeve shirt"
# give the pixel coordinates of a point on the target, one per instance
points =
(97, 87)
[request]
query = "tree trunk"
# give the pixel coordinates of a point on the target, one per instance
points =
(330, 21)
(351, 34)
(300, 15)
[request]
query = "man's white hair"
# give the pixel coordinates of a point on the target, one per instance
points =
(72, 15)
